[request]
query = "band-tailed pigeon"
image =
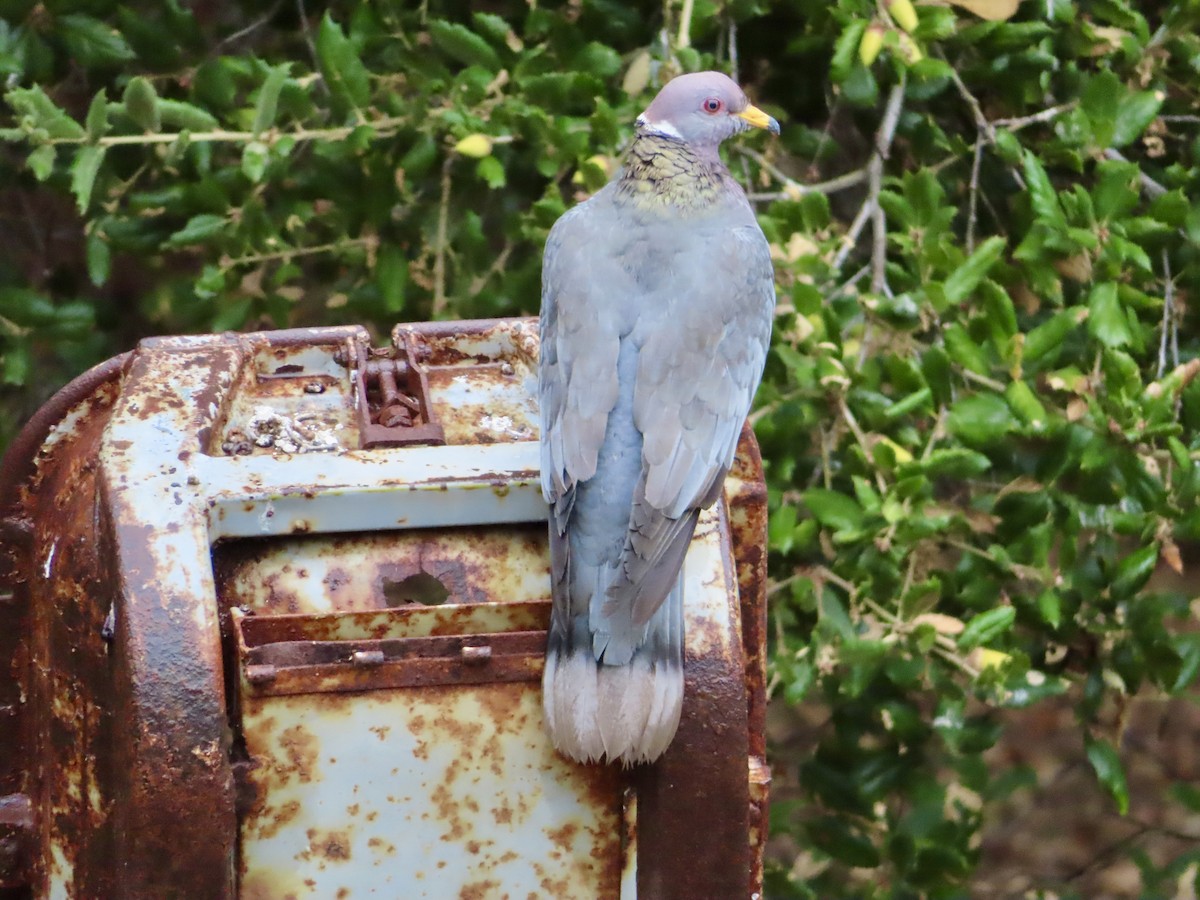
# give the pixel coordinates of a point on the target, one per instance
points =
(657, 303)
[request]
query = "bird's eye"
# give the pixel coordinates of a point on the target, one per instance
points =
(712, 105)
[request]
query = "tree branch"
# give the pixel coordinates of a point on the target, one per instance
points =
(883, 146)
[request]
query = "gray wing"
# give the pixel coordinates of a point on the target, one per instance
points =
(696, 380)
(577, 374)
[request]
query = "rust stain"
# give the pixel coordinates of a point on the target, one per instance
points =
(379, 845)
(479, 890)
(563, 838)
(333, 846)
(302, 749)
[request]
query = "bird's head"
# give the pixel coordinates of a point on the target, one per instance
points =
(702, 109)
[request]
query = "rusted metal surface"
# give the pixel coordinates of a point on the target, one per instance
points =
(746, 496)
(266, 655)
(457, 796)
(702, 778)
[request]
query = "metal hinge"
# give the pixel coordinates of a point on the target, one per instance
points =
(391, 394)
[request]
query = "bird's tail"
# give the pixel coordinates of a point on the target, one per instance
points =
(627, 713)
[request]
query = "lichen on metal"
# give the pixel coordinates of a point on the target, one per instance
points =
(273, 647)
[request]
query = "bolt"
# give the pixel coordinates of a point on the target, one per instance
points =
(395, 416)
(314, 387)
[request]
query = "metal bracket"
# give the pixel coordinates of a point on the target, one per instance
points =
(391, 394)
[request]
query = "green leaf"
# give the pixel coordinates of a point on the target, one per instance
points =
(91, 42)
(986, 627)
(462, 44)
(16, 363)
(1025, 403)
(185, 116)
(198, 229)
(41, 161)
(833, 509)
(836, 838)
(1041, 193)
(268, 98)
(97, 117)
(1046, 340)
(1107, 321)
(1001, 314)
(99, 258)
(1117, 190)
(1137, 110)
(341, 67)
(255, 157)
(83, 174)
(1171, 208)
(1101, 103)
(493, 27)
(964, 351)
(491, 170)
(1107, 766)
(1188, 648)
(918, 399)
(1134, 571)
(981, 419)
(955, 462)
(141, 103)
(967, 276)
(38, 111)
(1049, 606)
(845, 51)
(391, 274)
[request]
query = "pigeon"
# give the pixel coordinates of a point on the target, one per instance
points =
(657, 302)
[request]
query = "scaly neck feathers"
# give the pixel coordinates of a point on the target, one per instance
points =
(663, 173)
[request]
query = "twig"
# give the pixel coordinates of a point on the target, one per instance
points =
(986, 130)
(878, 233)
(1170, 333)
(251, 28)
(252, 258)
(384, 127)
(883, 145)
(685, 25)
(841, 183)
(1046, 115)
(973, 197)
(440, 241)
(1107, 853)
(851, 237)
(479, 282)
(792, 189)
(861, 438)
(733, 49)
(992, 383)
(308, 40)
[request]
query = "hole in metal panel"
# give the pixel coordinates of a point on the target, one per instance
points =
(421, 588)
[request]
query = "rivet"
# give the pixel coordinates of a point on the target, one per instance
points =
(476, 655)
(260, 674)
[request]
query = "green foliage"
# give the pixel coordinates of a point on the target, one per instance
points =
(980, 413)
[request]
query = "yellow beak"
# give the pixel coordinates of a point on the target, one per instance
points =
(754, 116)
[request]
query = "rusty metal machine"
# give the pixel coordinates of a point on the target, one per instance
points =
(272, 615)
